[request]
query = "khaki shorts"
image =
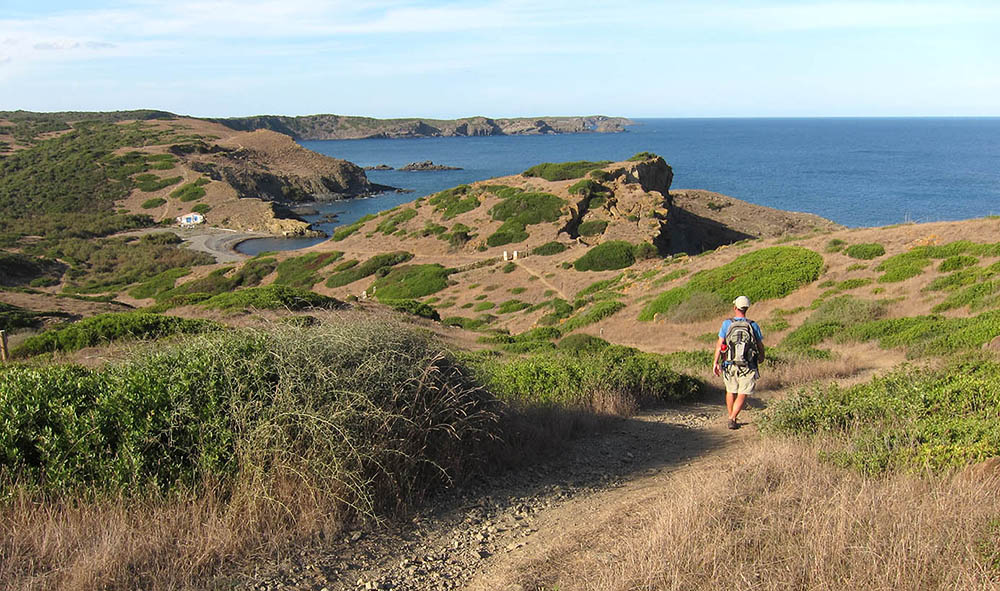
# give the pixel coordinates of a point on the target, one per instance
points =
(740, 380)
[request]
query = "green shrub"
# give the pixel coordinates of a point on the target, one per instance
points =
(929, 335)
(699, 305)
(188, 192)
(411, 281)
(483, 306)
(452, 202)
(519, 210)
(831, 318)
(764, 274)
(615, 254)
(549, 249)
(564, 170)
(345, 231)
(150, 182)
(303, 271)
(587, 188)
(853, 283)
(574, 379)
(371, 414)
(464, 322)
(511, 306)
(599, 286)
(912, 419)
(202, 208)
(107, 328)
(582, 343)
(270, 297)
(953, 263)
(509, 267)
(349, 271)
(597, 312)
(153, 203)
(158, 283)
(517, 290)
(835, 245)
(14, 317)
(975, 297)
(592, 227)
(391, 223)
(413, 307)
(865, 251)
(643, 156)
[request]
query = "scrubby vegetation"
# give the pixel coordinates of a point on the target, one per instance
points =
(411, 281)
(866, 251)
(913, 262)
(910, 419)
(519, 209)
(597, 312)
(189, 192)
(350, 271)
(15, 317)
(392, 221)
(452, 202)
(270, 297)
(345, 231)
(22, 269)
(158, 284)
(107, 328)
(592, 227)
(303, 271)
(153, 203)
(574, 380)
(112, 263)
(549, 249)
(563, 170)
(615, 254)
(763, 274)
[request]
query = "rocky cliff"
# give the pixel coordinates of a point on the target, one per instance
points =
(336, 127)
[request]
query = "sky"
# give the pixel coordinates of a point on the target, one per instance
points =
(503, 58)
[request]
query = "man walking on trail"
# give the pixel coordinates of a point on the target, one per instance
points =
(741, 348)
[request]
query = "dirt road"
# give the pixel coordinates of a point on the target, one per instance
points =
(490, 534)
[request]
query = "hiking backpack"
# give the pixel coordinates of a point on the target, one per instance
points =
(741, 343)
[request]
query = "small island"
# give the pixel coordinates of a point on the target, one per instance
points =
(427, 165)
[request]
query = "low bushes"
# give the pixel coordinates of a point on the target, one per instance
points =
(411, 281)
(520, 209)
(866, 251)
(615, 254)
(345, 231)
(107, 328)
(911, 419)
(391, 223)
(414, 307)
(452, 202)
(370, 414)
(764, 274)
(270, 297)
(302, 271)
(350, 271)
(575, 380)
(153, 203)
(189, 192)
(832, 317)
(563, 170)
(592, 227)
(597, 312)
(549, 249)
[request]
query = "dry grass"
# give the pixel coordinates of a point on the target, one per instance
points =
(778, 518)
(180, 543)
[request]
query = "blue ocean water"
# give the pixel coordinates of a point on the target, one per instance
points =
(857, 172)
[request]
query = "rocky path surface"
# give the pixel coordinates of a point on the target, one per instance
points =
(482, 536)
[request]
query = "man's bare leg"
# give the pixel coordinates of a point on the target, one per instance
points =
(737, 406)
(729, 403)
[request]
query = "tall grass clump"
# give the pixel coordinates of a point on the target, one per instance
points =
(187, 460)
(108, 328)
(910, 419)
(831, 318)
(764, 274)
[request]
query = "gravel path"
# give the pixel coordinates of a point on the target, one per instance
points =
(473, 537)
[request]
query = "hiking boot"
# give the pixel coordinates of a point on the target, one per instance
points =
(733, 424)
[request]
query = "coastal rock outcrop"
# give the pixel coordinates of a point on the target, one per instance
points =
(427, 165)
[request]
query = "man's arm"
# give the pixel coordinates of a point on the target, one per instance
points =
(715, 360)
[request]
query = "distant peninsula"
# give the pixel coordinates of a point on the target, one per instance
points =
(340, 127)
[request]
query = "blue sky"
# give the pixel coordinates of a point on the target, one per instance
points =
(503, 58)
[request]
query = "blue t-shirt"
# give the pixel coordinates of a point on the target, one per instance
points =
(728, 321)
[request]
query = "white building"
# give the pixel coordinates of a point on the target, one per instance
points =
(190, 219)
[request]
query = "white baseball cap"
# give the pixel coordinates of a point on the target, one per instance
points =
(742, 302)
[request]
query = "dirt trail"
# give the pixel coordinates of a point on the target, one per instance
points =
(542, 279)
(491, 535)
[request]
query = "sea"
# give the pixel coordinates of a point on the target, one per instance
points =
(858, 172)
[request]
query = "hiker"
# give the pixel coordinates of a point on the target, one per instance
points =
(741, 347)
